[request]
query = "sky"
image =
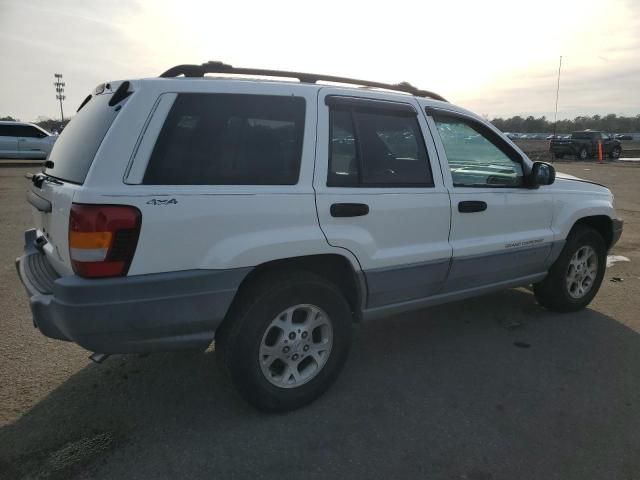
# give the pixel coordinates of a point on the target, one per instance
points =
(497, 58)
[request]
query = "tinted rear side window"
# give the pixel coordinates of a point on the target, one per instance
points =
(376, 148)
(229, 139)
(73, 152)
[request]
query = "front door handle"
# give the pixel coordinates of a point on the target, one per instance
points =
(349, 209)
(470, 206)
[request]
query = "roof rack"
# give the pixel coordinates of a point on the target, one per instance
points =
(219, 67)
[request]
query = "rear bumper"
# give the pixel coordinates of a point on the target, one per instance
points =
(141, 313)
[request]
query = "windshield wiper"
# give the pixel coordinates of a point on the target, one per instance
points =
(39, 178)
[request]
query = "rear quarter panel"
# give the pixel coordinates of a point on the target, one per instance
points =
(218, 227)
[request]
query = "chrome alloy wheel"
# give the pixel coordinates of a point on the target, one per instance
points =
(295, 346)
(582, 272)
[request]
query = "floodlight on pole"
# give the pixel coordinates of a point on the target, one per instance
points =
(59, 84)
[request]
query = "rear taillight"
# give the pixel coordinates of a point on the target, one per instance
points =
(103, 239)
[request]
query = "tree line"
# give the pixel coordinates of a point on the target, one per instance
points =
(610, 123)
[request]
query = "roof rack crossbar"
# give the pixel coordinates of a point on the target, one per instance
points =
(219, 67)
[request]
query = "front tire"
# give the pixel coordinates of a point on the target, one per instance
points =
(288, 338)
(575, 277)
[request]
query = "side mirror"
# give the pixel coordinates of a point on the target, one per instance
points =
(542, 173)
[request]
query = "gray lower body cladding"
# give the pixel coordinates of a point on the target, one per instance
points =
(409, 287)
(478, 270)
(140, 313)
(407, 282)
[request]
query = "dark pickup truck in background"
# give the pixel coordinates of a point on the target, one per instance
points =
(585, 145)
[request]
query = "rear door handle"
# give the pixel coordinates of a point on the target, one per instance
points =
(470, 206)
(349, 209)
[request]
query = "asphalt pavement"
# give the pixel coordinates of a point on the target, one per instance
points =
(489, 388)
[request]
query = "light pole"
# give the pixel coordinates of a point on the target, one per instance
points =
(59, 84)
(555, 119)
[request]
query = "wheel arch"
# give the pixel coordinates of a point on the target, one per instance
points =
(334, 267)
(600, 223)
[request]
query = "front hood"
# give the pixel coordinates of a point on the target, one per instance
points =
(568, 180)
(566, 176)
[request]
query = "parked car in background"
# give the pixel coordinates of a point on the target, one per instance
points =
(24, 140)
(584, 145)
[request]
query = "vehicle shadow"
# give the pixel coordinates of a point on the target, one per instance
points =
(487, 388)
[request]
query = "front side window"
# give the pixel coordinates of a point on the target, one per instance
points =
(476, 158)
(374, 148)
(229, 139)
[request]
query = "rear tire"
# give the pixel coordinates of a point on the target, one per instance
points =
(572, 282)
(287, 339)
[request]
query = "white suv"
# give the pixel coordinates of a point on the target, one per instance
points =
(269, 215)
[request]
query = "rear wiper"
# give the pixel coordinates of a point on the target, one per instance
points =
(39, 178)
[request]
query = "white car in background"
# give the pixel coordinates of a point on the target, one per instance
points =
(24, 140)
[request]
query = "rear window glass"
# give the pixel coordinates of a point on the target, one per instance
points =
(73, 152)
(229, 139)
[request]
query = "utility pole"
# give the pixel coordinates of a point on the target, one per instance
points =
(555, 120)
(59, 84)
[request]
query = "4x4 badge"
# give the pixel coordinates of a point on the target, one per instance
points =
(158, 201)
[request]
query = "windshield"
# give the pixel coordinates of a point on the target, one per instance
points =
(73, 152)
